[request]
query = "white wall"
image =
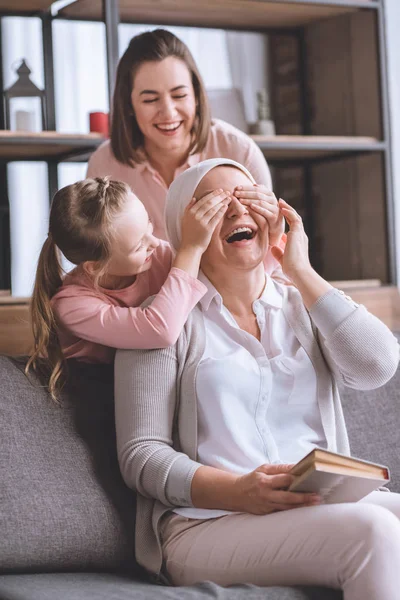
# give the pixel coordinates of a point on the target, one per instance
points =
(392, 14)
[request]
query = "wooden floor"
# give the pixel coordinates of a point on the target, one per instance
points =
(16, 336)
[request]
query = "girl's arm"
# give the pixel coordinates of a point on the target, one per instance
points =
(90, 317)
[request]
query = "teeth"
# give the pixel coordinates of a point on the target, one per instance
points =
(168, 127)
(239, 230)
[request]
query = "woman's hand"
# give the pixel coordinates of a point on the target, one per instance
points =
(201, 218)
(263, 491)
(294, 259)
(263, 202)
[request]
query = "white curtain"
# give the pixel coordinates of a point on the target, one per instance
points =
(208, 47)
(248, 61)
(81, 87)
(80, 73)
(27, 182)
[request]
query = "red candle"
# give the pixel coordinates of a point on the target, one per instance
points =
(99, 123)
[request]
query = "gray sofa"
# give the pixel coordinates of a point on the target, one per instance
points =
(67, 518)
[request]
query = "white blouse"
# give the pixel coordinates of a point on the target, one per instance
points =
(257, 400)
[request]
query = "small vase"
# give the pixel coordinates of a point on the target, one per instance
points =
(264, 128)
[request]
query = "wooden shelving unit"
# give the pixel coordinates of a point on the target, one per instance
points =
(47, 145)
(338, 174)
(331, 154)
(232, 14)
(24, 7)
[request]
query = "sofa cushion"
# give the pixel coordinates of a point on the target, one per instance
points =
(372, 419)
(96, 586)
(64, 505)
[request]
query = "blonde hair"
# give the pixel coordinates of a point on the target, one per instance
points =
(81, 227)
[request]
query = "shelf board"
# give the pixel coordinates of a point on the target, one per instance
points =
(7, 300)
(357, 284)
(302, 147)
(231, 14)
(24, 7)
(47, 145)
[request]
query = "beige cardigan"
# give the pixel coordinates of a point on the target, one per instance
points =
(155, 400)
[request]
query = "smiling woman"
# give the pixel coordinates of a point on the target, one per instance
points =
(250, 387)
(161, 124)
(240, 237)
(165, 115)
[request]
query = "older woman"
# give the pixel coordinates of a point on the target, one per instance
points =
(207, 430)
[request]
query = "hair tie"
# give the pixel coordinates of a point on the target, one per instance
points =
(105, 183)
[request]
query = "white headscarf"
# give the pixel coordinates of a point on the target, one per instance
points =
(182, 191)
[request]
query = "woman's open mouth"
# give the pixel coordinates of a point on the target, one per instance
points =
(241, 236)
(168, 129)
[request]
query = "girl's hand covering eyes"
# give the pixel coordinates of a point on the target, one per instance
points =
(201, 218)
(260, 199)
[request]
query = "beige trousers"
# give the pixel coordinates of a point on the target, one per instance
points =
(354, 547)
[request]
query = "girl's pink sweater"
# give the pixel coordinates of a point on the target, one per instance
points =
(94, 322)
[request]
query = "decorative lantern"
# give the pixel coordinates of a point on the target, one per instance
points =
(24, 88)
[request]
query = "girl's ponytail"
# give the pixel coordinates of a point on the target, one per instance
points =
(47, 358)
(81, 228)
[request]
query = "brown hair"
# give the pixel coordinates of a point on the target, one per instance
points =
(81, 227)
(127, 140)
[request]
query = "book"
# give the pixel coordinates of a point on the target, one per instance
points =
(336, 477)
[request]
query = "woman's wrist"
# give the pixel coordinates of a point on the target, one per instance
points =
(215, 489)
(310, 285)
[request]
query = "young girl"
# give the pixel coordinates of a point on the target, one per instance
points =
(103, 228)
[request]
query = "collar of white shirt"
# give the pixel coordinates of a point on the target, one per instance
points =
(271, 295)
